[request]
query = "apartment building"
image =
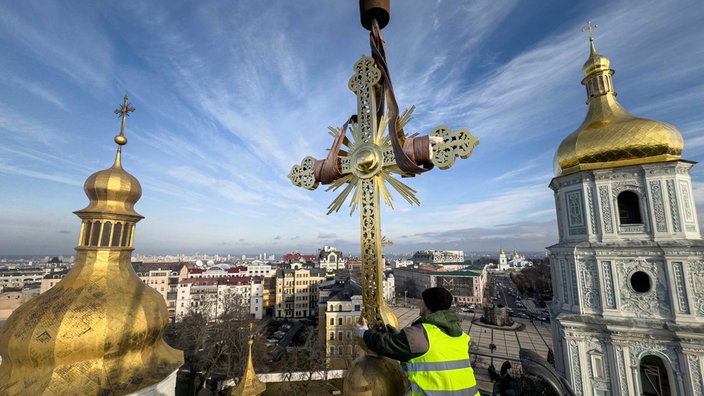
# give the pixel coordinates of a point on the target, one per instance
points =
(17, 278)
(466, 286)
(438, 256)
(340, 307)
(52, 278)
(164, 278)
(215, 296)
(297, 292)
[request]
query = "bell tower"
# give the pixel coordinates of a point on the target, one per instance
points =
(98, 331)
(628, 270)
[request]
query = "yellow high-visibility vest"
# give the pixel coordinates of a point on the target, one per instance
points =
(443, 370)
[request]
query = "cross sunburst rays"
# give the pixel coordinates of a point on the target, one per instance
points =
(354, 184)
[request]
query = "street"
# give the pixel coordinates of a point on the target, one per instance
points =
(502, 343)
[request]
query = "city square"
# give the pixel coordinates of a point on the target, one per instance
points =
(534, 335)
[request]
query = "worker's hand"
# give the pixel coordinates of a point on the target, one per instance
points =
(392, 329)
(360, 328)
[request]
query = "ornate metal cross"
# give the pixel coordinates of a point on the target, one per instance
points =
(371, 160)
(590, 27)
(125, 110)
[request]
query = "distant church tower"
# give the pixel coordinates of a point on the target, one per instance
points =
(503, 261)
(628, 270)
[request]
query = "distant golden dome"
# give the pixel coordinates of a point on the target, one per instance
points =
(610, 136)
(112, 190)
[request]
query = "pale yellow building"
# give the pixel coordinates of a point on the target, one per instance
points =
(11, 300)
(164, 278)
(297, 292)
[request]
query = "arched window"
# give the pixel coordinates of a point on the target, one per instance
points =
(126, 234)
(654, 376)
(116, 233)
(95, 234)
(105, 238)
(332, 336)
(86, 233)
(339, 307)
(629, 208)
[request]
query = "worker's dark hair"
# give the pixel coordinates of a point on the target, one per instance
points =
(437, 298)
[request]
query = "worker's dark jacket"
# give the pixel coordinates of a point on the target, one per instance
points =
(434, 353)
(412, 341)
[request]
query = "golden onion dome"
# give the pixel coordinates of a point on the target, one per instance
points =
(610, 136)
(596, 61)
(112, 190)
(97, 332)
(100, 329)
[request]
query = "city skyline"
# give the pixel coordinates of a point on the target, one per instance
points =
(229, 96)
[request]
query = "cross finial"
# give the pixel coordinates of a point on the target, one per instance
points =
(124, 110)
(590, 27)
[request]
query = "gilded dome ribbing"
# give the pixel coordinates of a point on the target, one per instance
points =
(112, 190)
(596, 61)
(610, 136)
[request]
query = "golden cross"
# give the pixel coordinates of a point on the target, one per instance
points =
(590, 27)
(124, 110)
(370, 162)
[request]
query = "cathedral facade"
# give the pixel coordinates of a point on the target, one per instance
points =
(628, 270)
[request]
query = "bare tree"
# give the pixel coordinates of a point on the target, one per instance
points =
(213, 344)
(301, 364)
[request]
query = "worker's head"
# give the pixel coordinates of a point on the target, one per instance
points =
(435, 299)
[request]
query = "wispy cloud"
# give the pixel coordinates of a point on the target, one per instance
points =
(36, 89)
(23, 129)
(230, 95)
(88, 57)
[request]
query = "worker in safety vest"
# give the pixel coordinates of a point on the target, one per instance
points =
(434, 351)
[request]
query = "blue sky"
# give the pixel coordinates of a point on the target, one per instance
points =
(231, 94)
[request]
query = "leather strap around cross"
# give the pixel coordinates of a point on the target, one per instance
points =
(413, 155)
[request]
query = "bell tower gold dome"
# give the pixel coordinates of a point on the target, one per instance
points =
(112, 190)
(610, 136)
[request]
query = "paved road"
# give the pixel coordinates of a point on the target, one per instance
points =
(535, 336)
